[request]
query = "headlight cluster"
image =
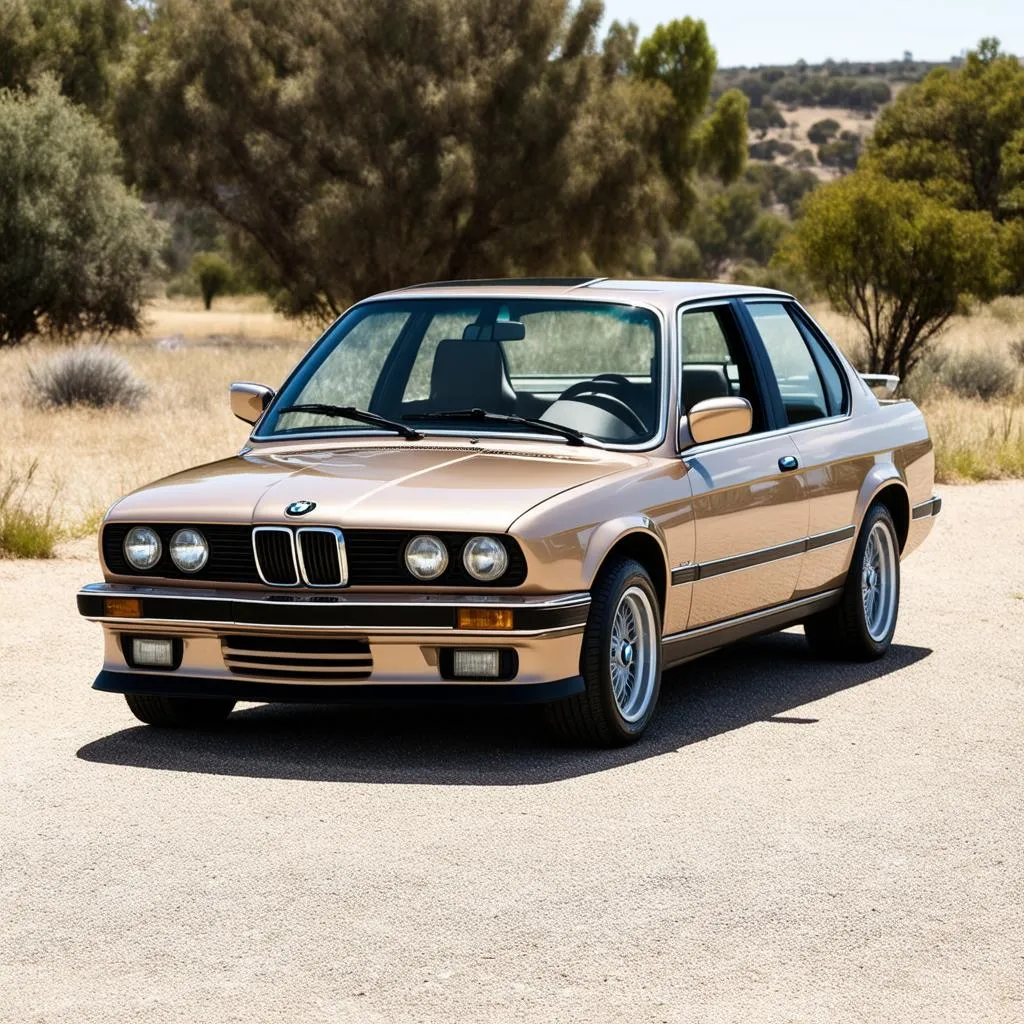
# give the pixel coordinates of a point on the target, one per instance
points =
(143, 549)
(484, 558)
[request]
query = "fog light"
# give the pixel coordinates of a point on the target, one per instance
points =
(474, 664)
(153, 653)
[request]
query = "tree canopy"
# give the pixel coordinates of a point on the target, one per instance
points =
(354, 147)
(960, 133)
(896, 259)
(75, 245)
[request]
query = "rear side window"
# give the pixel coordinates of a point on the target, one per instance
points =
(805, 396)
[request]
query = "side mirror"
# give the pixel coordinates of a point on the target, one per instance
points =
(715, 419)
(249, 400)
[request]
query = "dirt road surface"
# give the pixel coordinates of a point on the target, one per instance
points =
(794, 842)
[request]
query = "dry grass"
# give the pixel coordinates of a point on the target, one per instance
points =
(87, 458)
(974, 440)
(90, 457)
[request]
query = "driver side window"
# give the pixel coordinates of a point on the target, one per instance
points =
(715, 363)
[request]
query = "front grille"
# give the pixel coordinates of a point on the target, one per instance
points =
(275, 555)
(372, 558)
(322, 556)
(298, 658)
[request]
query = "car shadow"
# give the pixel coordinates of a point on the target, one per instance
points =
(754, 681)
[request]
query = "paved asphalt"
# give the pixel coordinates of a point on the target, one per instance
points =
(795, 841)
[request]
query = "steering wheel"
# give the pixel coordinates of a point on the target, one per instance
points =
(592, 387)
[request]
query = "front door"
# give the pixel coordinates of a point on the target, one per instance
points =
(750, 511)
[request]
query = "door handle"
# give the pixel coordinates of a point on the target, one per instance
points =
(788, 463)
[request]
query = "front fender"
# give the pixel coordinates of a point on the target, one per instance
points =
(624, 528)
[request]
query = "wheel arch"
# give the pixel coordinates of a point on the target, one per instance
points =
(638, 539)
(888, 488)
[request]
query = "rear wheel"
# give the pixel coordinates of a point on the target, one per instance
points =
(179, 712)
(861, 626)
(620, 662)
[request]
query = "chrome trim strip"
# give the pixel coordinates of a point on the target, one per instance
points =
(256, 554)
(734, 563)
(339, 538)
(571, 599)
(763, 613)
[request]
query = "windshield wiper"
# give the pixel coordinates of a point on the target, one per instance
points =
(573, 436)
(350, 412)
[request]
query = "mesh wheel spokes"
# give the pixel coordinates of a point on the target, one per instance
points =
(632, 659)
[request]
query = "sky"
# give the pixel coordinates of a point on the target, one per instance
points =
(754, 32)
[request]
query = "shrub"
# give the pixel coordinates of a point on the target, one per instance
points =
(214, 275)
(823, 131)
(25, 532)
(984, 375)
(76, 247)
(1017, 350)
(92, 376)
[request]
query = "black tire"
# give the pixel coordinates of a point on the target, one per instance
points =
(593, 718)
(841, 633)
(179, 712)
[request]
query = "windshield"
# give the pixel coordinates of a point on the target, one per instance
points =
(591, 367)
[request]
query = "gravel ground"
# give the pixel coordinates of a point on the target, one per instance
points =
(793, 842)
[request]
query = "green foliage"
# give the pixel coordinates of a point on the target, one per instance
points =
(214, 274)
(26, 531)
(830, 91)
(960, 133)
(78, 42)
(761, 118)
(730, 225)
(352, 147)
(75, 245)
(780, 186)
(769, 148)
(823, 131)
(91, 376)
(898, 261)
(843, 152)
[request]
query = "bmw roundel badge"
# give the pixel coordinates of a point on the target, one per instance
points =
(299, 508)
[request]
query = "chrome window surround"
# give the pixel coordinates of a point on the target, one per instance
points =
(728, 442)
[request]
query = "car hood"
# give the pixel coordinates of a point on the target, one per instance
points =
(406, 487)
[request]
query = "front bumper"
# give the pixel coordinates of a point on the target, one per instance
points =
(400, 642)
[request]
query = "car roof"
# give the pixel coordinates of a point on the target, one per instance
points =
(645, 291)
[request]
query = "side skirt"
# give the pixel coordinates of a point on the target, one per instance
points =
(680, 647)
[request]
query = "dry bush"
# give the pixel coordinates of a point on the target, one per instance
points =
(93, 376)
(1017, 351)
(976, 440)
(984, 375)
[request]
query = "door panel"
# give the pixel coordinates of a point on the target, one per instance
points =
(751, 513)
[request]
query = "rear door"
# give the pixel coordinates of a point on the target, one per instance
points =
(815, 400)
(749, 504)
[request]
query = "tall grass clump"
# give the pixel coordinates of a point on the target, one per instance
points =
(25, 531)
(90, 376)
(977, 441)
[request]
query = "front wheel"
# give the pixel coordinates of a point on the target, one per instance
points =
(620, 662)
(179, 712)
(861, 626)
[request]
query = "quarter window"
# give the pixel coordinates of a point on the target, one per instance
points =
(800, 384)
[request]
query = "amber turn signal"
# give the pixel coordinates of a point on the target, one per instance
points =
(122, 607)
(485, 618)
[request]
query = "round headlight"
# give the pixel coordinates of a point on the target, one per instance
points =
(189, 550)
(485, 558)
(426, 557)
(142, 547)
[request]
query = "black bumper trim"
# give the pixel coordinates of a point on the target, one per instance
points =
(353, 693)
(302, 613)
(931, 507)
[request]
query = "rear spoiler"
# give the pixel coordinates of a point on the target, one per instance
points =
(883, 385)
